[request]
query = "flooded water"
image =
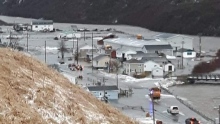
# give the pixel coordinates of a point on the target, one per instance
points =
(203, 97)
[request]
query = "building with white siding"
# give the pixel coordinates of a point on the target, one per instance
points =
(42, 25)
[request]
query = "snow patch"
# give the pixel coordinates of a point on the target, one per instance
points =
(127, 78)
(168, 83)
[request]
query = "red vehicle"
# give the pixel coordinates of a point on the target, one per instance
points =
(155, 93)
(192, 121)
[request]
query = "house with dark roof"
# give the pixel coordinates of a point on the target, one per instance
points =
(109, 92)
(133, 66)
(163, 48)
(101, 61)
(177, 41)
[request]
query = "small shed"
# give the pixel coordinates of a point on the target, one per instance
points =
(157, 72)
(110, 92)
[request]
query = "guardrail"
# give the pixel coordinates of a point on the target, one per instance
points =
(189, 106)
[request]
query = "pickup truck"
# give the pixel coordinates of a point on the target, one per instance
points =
(174, 110)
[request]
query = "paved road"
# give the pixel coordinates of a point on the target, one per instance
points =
(140, 88)
(139, 99)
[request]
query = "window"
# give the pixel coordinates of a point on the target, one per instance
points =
(96, 62)
(189, 53)
(36, 26)
(106, 93)
(155, 65)
(140, 65)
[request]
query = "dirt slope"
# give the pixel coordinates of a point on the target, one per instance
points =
(30, 93)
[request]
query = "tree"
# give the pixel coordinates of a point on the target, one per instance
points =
(114, 65)
(62, 49)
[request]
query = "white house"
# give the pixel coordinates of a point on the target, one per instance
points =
(41, 25)
(125, 52)
(168, 67)
(111, 92)
(157, 72)
(101, 61)
(176, 41)
(187, 53)
(164, 48)
(160, 62)
(149, 65)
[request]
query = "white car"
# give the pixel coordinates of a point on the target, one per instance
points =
(174, 110)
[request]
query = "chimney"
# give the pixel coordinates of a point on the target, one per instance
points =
(139, 36)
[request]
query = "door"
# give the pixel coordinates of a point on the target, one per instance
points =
(170, 68)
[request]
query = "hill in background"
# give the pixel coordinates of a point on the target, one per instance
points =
(175, 16)
(32, 93)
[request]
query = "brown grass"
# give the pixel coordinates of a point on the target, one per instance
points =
(28, 87)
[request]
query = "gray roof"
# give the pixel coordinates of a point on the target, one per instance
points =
(165, 35)
(99, 57)
(155, 59)
(134, 42)
(134, 61)
(158, 47)
(139, 52)
(145, 55)
(183, 49)
(101, 88)
(42, 22)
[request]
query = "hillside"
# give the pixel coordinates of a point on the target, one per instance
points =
(31, 93)
(175, 16)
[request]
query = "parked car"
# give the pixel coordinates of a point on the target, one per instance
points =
(192, 121)
(174, 110)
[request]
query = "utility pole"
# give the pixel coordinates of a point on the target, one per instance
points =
(104, 89)
(200, 46)
(77, 51)
(219, 114)
(73, 49)
(92, 52)
(182, 53)
(84, 35)
(45, 46)
(110, 62)
(10, 38)
(27, 41)
(117, 78)
(152, 100)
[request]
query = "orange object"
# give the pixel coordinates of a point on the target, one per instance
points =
(155, 93)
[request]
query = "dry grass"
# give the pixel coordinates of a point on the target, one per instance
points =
(30, 92)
